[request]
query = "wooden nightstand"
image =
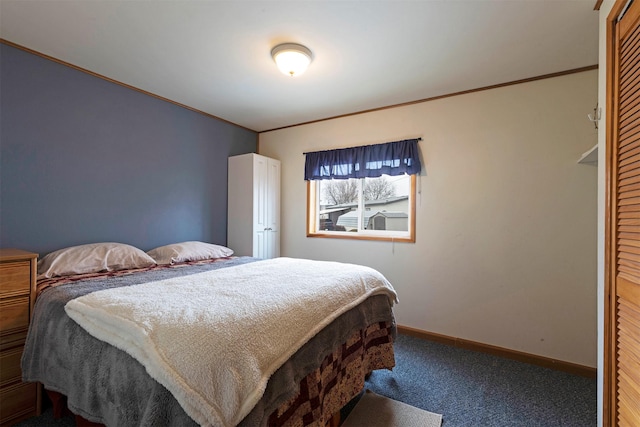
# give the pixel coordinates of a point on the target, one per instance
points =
(18, 400)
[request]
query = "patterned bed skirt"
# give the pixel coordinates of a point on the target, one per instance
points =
(339, 379)
(324, 391)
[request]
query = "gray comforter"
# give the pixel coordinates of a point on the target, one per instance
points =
(105, 385)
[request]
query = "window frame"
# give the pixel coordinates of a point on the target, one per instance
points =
(389, 236)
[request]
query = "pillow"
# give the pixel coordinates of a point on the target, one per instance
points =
(188, 251)
(92, 258)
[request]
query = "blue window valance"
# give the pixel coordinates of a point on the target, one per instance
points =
(367, 161)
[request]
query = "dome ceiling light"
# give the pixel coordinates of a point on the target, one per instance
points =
(291, 58)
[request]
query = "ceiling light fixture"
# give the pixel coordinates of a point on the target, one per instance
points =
(292, 58)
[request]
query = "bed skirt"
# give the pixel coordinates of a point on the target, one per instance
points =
(340, 378)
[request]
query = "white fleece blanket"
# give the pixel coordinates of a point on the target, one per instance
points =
(213, 339)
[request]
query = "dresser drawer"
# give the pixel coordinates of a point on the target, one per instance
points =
(15, 278)
(17, 400)
(10, 371)
(11, 340)
(14, 313)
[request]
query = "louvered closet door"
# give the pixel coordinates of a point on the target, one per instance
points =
(625, 178)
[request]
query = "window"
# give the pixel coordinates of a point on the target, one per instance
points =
(365, 192)
(380, 208)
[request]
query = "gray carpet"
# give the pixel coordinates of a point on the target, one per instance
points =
(469, 389)
(476, 389)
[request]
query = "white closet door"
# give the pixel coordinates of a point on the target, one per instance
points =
(261, 193)
(273, 244)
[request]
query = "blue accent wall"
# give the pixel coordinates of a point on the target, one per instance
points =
(85, 160)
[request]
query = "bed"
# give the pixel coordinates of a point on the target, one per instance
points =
(281, 368)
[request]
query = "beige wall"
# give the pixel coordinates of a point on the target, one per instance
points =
(505, 252)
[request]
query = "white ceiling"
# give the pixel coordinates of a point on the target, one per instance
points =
(214, 56)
